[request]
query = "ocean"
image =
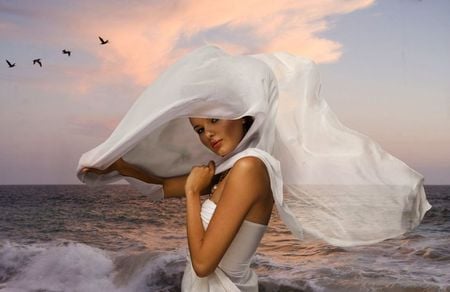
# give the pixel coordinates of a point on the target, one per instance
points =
(112, 238)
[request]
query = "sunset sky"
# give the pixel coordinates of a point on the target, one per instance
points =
(385, 70)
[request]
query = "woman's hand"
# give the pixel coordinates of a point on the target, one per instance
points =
(200, 178)
(118, 165)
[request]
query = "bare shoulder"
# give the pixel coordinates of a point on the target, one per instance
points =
(252, 170)
(250, 162)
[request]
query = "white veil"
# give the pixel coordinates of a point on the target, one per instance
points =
(328, 181)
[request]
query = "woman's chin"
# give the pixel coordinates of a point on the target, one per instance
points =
(222, 150)
(219, 152)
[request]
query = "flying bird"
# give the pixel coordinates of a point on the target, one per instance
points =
(66, 52)
(37, 61)
(10, 65)
(103, 42)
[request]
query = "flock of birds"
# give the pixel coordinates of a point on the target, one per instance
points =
(67, 52)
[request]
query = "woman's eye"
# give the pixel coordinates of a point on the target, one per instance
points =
(199, 131)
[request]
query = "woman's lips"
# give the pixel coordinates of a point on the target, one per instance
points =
(216, 144)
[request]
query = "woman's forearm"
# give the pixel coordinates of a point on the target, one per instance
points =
(195, 232)
(133, 171)
(172, 186)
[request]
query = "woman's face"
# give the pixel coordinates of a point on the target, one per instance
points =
(220, 136)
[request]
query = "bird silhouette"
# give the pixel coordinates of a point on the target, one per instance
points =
(10, 65)
(66, 52)
(37, 61)
(103, 42)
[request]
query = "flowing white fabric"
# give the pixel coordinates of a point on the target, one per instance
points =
(328, 181)
(233, 272)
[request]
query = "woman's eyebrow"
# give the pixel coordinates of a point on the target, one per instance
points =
(196, 126)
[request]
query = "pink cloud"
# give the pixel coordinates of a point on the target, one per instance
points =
(145, 44)
(144, 38)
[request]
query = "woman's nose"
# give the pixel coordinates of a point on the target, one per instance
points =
(209, 132)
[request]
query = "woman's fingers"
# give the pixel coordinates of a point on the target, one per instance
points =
(200, 177)
(119, 162)
(94, 170)
(211, 166)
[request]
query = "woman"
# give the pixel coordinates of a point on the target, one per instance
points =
(326, 180)
(241, 203)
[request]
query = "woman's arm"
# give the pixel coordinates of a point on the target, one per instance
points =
(248, 181)
(127, 169)
(172, 186)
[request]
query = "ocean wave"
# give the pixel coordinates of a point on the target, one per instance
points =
(72, 266)
(63, 265)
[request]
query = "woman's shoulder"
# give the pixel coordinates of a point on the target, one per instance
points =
(250, 162)
(253, 167)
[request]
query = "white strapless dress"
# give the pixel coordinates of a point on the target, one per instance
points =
(233, 272)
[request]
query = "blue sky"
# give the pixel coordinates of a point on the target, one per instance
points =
(391, 82)
(384, 68)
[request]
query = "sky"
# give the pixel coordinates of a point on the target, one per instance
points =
(384, 66)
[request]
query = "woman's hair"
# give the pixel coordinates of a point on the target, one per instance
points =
(248, 122)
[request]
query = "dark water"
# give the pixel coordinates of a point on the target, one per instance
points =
(75, 238)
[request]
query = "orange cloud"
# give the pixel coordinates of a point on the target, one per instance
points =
(146, 39)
